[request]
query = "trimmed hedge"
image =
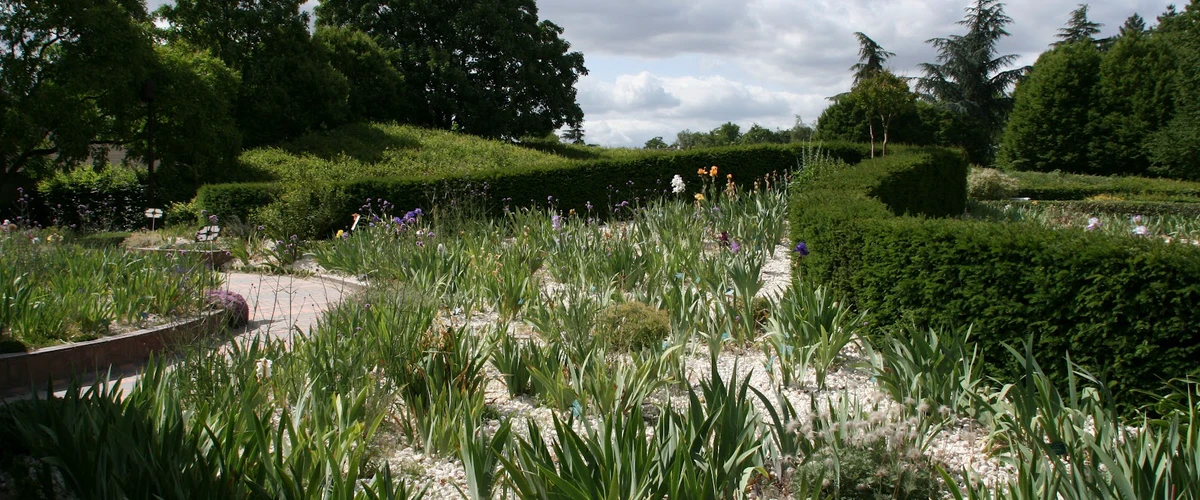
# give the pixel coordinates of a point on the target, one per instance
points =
(237, 200)
(1060, 186)
(1128, 308)
(574, 185)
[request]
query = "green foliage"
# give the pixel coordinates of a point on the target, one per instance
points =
(1136, 98)
(462, 82)
(71, 74)
(1049, 125)
(869, 471)
(329, 174)
(94, 199)
(1061, 186)
(51, 291)
(990, 184)
(195, 136)
(884, 96)
(967, 77)
(930, 368)
(632, 326)
(236, 200)
(377, 91)
(1124, 304)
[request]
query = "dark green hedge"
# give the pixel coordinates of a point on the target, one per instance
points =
(1127, 307)
(236, 200)
(600, 182)
(1060, 186)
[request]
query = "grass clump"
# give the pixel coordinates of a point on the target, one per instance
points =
(632, 326)
(990, 184)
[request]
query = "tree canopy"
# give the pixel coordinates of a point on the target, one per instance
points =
(871, 57)
(486, 67)
(969, 76)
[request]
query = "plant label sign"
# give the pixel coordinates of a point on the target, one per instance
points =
(154, 213)
(208, 233)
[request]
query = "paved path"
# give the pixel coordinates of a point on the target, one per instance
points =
(280, 307)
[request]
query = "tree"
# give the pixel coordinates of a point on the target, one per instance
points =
(759, 134)
(656, 143)
(967, 77)
(487, 67)
(1049, 126)
(288, 84)
(1134, 25)
(377, 91)
(1135, 98)
(871, 57)
(574, 135)
(1174, 151)
(725, 134)
(883, 96)
(195, 136)
(686, 139)
(71, 74)
(1078, 28)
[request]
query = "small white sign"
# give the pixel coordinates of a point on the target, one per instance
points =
(208, 233)
(154, 213)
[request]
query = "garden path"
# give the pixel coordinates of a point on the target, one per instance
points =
(281, 306)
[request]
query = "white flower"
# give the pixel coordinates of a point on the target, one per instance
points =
(1141, 231)
(677, 184)
(263, 368)
(1093, 223)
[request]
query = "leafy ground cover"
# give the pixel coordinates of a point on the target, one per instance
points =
(472, 366)
(1114, 219)
(54, 291)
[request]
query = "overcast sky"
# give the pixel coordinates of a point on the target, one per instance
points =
(660, 66)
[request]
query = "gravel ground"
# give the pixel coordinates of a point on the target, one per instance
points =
(958, 446)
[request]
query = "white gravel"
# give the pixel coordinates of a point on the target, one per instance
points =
(958, 446)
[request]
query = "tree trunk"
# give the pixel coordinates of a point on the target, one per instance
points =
(885, 131)
(871, 127)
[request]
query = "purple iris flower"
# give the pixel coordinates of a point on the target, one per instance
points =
(801, 249)
(734, 247)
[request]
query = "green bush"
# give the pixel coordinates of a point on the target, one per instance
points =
(409, 167)
(89, 199)
(1060, 186)
(1128, 306)
(869, 471)
(236, 200)
(990, 184)
(632, 326)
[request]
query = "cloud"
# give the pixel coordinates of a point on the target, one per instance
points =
(634, 108)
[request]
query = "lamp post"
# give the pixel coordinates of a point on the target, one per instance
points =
(148, 98)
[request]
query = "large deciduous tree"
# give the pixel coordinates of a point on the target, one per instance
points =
(486, 67)
(969, 77)
(1174, 150)
(288, 84)
(71, 74)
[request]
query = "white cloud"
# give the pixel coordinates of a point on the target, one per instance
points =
(633, 108)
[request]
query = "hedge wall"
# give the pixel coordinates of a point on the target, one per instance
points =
(1059, 186)
(572, 186)
(1127, 308)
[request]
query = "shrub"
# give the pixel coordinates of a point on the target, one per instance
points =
(1130, 305)
(236, 200)
(990, 184)
(108, 199)
(1060, 186)
(869, 471)
(182, 214)
(632, 326)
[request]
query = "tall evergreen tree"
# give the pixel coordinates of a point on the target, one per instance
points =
(1078, 28)
(1134, 25)
(969, 76)
(871, 57)
(1174, 150)
(1048, 128)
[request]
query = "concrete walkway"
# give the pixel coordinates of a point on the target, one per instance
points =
(281, 307)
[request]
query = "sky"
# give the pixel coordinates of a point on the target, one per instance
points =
(656, 67)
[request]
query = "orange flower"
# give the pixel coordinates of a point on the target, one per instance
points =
(712, 172)
(699, 196)
(701, 172)
(729, 177)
